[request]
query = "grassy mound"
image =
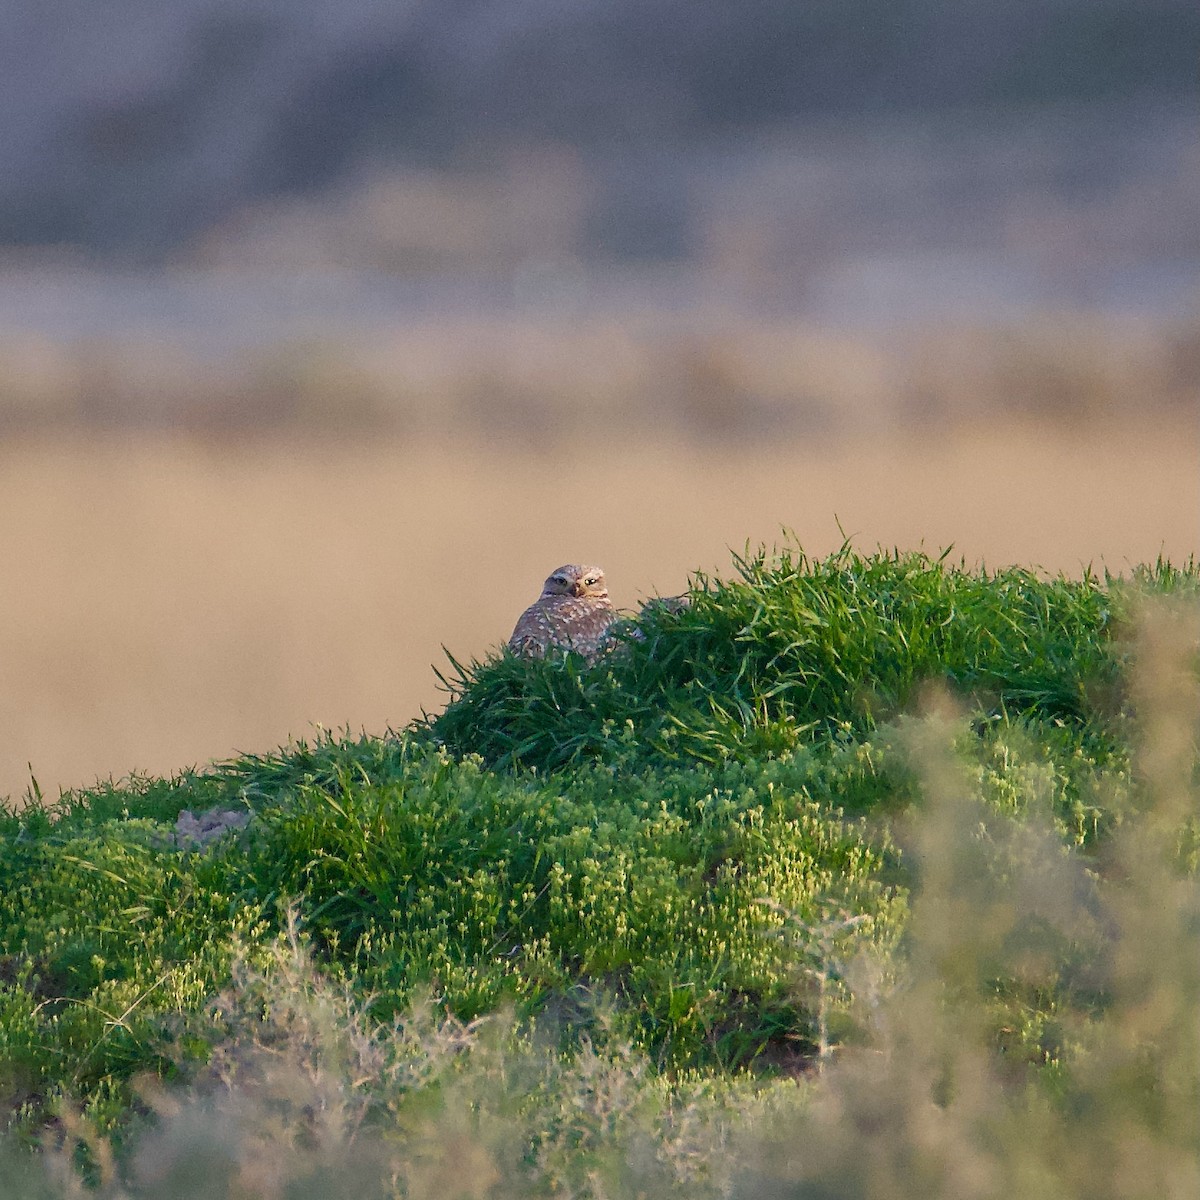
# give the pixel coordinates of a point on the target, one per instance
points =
(729, 845)
(412, 871)
(794, 651)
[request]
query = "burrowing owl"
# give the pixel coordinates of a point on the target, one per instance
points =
(572, 613)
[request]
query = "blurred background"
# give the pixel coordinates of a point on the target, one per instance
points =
(328, 330)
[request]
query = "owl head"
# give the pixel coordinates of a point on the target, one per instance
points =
(573, 580)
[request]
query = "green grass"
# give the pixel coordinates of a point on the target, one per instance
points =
(437, 874)
(729, 849)
(793, 651)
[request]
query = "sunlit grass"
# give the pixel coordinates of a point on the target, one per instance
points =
(794, 651)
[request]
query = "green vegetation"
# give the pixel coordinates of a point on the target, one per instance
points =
(870, 876)
(794, 652)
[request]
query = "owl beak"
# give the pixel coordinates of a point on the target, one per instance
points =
(577, 588)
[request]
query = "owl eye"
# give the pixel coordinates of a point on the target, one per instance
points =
(592, 579)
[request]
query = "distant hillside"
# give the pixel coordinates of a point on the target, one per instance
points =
(128, 128)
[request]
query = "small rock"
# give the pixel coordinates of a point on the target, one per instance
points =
(192, 831)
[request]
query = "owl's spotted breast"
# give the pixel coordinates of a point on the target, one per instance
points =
(572, 613)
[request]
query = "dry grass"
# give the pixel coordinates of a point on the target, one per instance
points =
(549, 375)
(164, 602)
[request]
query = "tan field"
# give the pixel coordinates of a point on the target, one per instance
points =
(165, 602)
